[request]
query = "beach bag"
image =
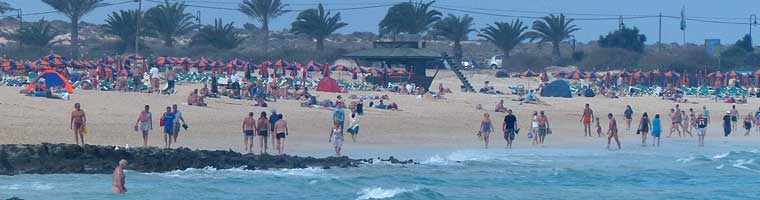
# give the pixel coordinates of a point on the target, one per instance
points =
(161, 122)
(185, 126)
(84, 130)
(638, 132)
(530, 135)
(548, 131)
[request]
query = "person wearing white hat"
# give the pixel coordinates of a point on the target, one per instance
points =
(727, 123)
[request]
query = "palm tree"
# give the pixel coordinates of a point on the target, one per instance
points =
(455, 29)
(554, 29)
(505, 35)
(408, 17)
(123, 24)
(74, 10)
(220, 35)
(40, 34)
(263, 11)
(317, 24)
(5, 7)
(169, 20)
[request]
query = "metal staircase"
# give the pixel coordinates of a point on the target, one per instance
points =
(466, 86)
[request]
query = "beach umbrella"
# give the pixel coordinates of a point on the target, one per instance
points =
(590, 75)
(624, 74)
(55, 60)
(294, 67)
(186, 62)
(107, 60)
(42, 63)
(132, 57)
(672, 74)
(164, 61)
(640, 74)
(339, 67)
(202, 64)
(655, 72)
(311, 66)
(716, 74)
(528, 73)
(732, 74)
(281, 63)
(575, 75)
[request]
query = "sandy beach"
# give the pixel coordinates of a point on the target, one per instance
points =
(451, 123)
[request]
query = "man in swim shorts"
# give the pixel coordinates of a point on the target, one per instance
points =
(587, 118)
(263, 127)
(281, 128)
(249, 125)
(509, 128)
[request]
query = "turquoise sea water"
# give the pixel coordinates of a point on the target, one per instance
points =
(678, 170)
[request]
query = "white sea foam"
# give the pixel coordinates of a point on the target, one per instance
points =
(211, 172)
(719, 166)
(686, 160)
(742, 164)
(719, 156)
(32, 186)
(380, 193)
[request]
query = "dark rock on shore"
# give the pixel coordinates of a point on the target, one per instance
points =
(92, 159)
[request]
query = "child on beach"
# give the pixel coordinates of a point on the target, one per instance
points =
(598, 127)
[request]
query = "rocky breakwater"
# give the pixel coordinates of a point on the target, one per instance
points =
(92, 159)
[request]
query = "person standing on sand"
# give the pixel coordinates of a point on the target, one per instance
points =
(543, 127)
(727, 123)
(685, 124)
(249, 125)
(137, 76)
(486, 128)
(78, 123)
(336, 138)
(353, 126)
(734, 116)
(177, 118)
(748, 123)
(534, 127)
(154, 79)
(656, 130)
(263, 128)
(144, 124)
(281, 128)
(644, 125)
(509, 128)
(168, 121)
(701, 129)
(675, 124)
(170, 76)
(117, 185)
(757, 120)
(586, 118)
(628, 115)
(612, 131)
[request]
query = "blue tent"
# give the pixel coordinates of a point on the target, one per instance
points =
(557, 88)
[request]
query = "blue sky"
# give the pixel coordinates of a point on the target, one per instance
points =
(737, 11)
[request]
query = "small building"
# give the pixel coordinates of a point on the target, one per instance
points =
(411, 56)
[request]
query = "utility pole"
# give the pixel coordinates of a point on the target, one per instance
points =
(20, 24)
(659, 37)
(198, 18)
(621, 25)
(137, 31)
(752, 21)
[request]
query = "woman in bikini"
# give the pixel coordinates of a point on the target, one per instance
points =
(486, 128)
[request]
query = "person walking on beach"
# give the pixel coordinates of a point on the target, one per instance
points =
(154, 79)
(273, 117)
(144, 124)
(612, 131)
(543, 127)
(628, 115)
(701, 129)
(656, 130)
(78, 123)
(734, 117)
(353, 126)
(263, 128)
(339, 117)
(748, 123)
(177, 118)
(117, 185)
(509, 128)
(534, 127)
(281, 128)
(486, 128)
(644, 125)
(336, 138)
(675, 123)
(727, 123)
(249, 125)
(588, 116)
(170, 76)
(685, 124)
(757, 120)
(168, 122)
(693, 120)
